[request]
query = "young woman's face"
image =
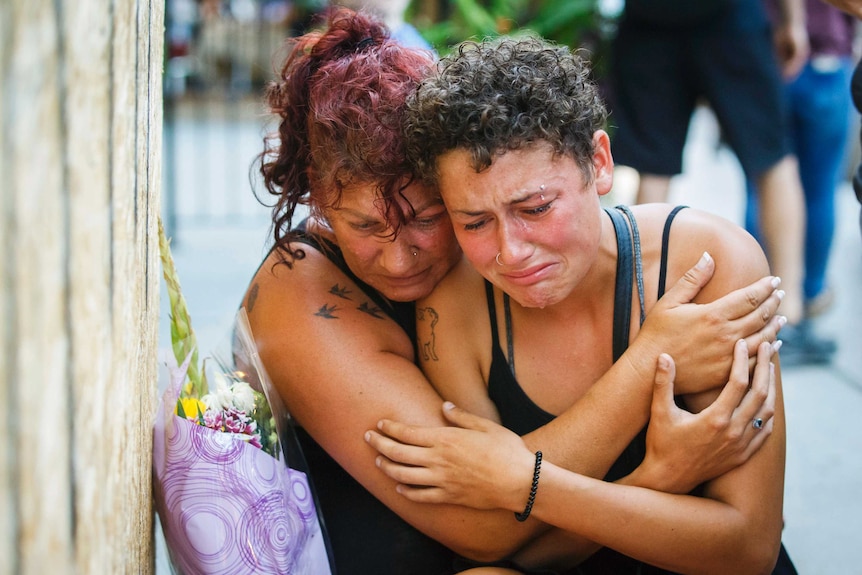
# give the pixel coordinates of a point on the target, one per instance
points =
(536, 210)
(405, 267)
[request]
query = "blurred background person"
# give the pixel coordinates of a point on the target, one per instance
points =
(392, 14)
(818, 117)
(854, 8)
(670, 55)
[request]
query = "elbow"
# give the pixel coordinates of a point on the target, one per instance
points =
(764, 559)
(739, 547)
(742, 563)
(483, 554)
(485, 550)
(757, 556)
(764, 550)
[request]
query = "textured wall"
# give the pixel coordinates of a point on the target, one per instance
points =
(80, 149)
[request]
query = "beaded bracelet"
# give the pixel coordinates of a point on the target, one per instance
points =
(523, 516)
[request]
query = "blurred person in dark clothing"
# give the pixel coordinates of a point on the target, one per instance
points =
(668, 56)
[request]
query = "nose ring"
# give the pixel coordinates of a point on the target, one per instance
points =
(497, 258)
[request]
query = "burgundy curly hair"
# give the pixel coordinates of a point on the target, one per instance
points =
(340, 98)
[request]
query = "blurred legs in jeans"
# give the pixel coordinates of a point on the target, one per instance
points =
(818, 103)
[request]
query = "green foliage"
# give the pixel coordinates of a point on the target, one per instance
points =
(266, 421)
(183, 339)
(570, 22)
(565, 22)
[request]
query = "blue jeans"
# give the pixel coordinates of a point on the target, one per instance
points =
(818, 102)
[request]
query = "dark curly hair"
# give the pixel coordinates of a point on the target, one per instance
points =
(340, 99)
(502, 94)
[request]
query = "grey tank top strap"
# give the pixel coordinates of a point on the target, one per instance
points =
(629, 262)
(629, 266)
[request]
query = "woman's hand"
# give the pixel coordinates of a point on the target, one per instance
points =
(476, 463)
(480, 464)
(701, 336)
(686, 449)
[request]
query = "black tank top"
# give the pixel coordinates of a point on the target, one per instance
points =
(520, 414)
(365, 536)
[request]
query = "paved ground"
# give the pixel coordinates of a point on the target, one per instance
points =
(823, 511)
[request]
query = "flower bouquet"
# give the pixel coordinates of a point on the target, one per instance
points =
(230, 484)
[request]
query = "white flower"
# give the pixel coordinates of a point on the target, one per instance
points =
(228, 394)
(212, 401)
(243, 396)
(220, 396)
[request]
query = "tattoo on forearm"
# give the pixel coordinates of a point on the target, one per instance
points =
(252, 297)
(427, 345)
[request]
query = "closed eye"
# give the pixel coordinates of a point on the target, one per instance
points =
(538, 210)
(472, 227)
(366, 227)
(430, 221)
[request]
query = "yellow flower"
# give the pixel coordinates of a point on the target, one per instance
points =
(192, 407)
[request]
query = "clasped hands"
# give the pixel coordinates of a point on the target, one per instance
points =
(478, 463)
(481, 464)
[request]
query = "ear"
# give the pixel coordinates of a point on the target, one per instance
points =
(603, 162)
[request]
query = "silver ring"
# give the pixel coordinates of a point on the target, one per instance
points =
(497, 258)
(757, 423)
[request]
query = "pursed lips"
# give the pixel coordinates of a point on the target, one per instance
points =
(406, 280)
(529, 275)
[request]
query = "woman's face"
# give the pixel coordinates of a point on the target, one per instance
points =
(536, 210)
(408, 266)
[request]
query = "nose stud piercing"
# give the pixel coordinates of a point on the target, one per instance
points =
(415, 254)
(497, 258)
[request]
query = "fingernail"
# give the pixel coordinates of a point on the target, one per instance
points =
(380, 424)
(776, 345)
(377, 461)
(782, 320)
(704, 260)
(447, 405)
(776, 281)
(663, 361)
(367, 436)
(780, 294)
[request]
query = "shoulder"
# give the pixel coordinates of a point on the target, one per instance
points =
(454, 336)
(729, 244)
(739, 258)
(462, 279)
(292, 306)
(458, 296)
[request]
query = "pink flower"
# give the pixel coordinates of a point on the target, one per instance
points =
(233, 420)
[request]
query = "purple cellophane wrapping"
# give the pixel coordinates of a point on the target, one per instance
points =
(227, 507)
